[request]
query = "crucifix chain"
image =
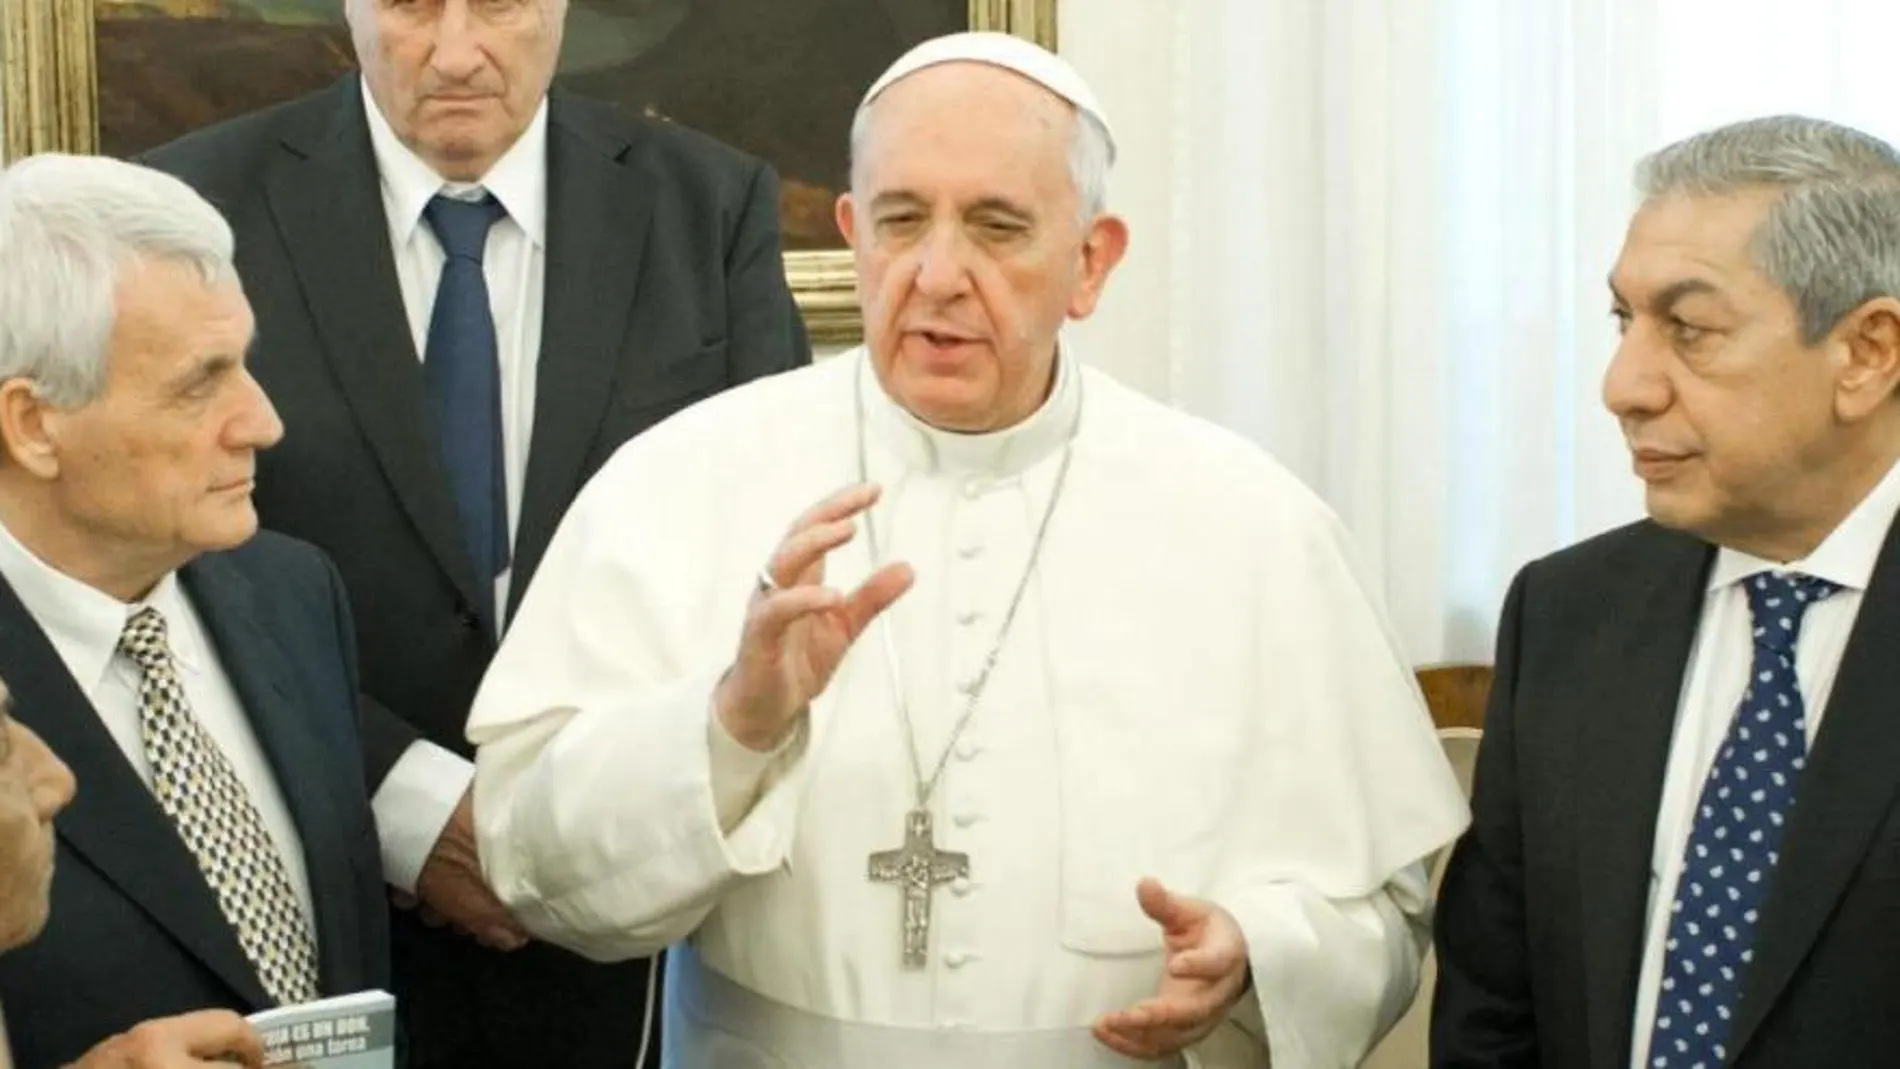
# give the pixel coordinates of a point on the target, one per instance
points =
(917, 866)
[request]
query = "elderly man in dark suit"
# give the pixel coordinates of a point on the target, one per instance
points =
(198, 677)
(470, 290)
(1686, 844)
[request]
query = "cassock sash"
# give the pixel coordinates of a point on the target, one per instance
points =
(714, 1023)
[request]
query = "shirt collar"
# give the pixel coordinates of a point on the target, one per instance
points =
(1009, 451)
(519, 179)
(83, 622)
(1845, 557)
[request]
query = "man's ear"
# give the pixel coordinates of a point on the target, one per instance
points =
(1102, 249)
(29, 429)
(846, 213)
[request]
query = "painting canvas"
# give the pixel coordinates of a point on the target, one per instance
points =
(777, 78)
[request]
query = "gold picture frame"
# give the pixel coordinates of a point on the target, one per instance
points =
(49, 83)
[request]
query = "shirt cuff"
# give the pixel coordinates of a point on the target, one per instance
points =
(412, 807)
(741, 774)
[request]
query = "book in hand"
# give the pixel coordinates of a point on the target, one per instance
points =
(346, 1032)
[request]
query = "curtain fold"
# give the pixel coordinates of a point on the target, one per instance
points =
(1372, 236)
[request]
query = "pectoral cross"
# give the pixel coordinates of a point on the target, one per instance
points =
(917, 868)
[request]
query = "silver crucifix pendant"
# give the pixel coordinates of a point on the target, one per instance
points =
(917, 868)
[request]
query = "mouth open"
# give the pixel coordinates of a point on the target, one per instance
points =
(938, 339)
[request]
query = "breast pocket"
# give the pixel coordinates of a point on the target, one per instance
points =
(657, 391)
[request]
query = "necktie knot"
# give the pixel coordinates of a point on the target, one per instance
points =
(144, 639)
(1778, 601)
(462, 225)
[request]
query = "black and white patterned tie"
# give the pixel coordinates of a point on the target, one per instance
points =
(202, 795)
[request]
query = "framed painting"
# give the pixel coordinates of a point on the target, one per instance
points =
(777, 78)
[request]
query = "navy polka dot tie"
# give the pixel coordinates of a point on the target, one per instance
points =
(1736, 838)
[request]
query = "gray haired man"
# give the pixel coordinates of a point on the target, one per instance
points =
(197, 676)
(1639, 886)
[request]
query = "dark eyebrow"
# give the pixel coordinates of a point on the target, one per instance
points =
(1669, 295)
(1676, 291)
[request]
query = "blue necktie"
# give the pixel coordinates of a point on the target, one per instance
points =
(1735, 840)
(462, 372)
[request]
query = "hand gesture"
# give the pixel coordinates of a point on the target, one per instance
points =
(208, 1039)
(797, 630)
(1205, 974)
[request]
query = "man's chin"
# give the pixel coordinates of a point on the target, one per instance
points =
(947, 409)
(459, 155)
(1670, 507)
(236, 526)
(17, 931)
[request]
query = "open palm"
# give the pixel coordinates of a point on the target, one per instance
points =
(798, 631)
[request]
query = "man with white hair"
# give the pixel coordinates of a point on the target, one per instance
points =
(1132, 769)
(198, 677)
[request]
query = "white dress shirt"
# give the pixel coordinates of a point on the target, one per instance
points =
(422, 788)
(1712, 690)
(84, 624)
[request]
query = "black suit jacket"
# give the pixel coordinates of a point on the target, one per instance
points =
(135, 931)
(1541, 915)
(665, 284)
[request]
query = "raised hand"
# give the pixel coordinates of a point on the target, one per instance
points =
(1205, 974)
(797, 630)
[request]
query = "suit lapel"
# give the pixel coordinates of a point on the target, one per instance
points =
(326, 200)
(270, 696)
(1626, 719)
(1844, 795)
(599, 204)
(114, 822)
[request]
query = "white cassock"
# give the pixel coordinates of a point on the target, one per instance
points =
(1198, 688)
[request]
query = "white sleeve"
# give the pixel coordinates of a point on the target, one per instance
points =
(413, 805)
(741, 774)
(1330, 977)
(601, 830)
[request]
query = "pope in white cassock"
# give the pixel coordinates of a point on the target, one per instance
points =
(1064, 733)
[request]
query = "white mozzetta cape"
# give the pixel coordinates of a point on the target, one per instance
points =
(1199, 687)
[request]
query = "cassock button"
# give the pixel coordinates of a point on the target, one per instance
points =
(965, 619)
(962, 886)
(964, 820)
(973, 488)
(957, 959)
(967, 749)
(970, 551)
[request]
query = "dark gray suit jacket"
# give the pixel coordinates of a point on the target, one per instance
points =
(665, 283)
(1541, 915)
(135, 931)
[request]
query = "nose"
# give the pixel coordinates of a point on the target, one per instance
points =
(50, 784)
(942, 271)
(257, 425)
(1635, 385)
(457, 54)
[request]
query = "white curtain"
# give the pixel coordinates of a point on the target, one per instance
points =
(1372, 236)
